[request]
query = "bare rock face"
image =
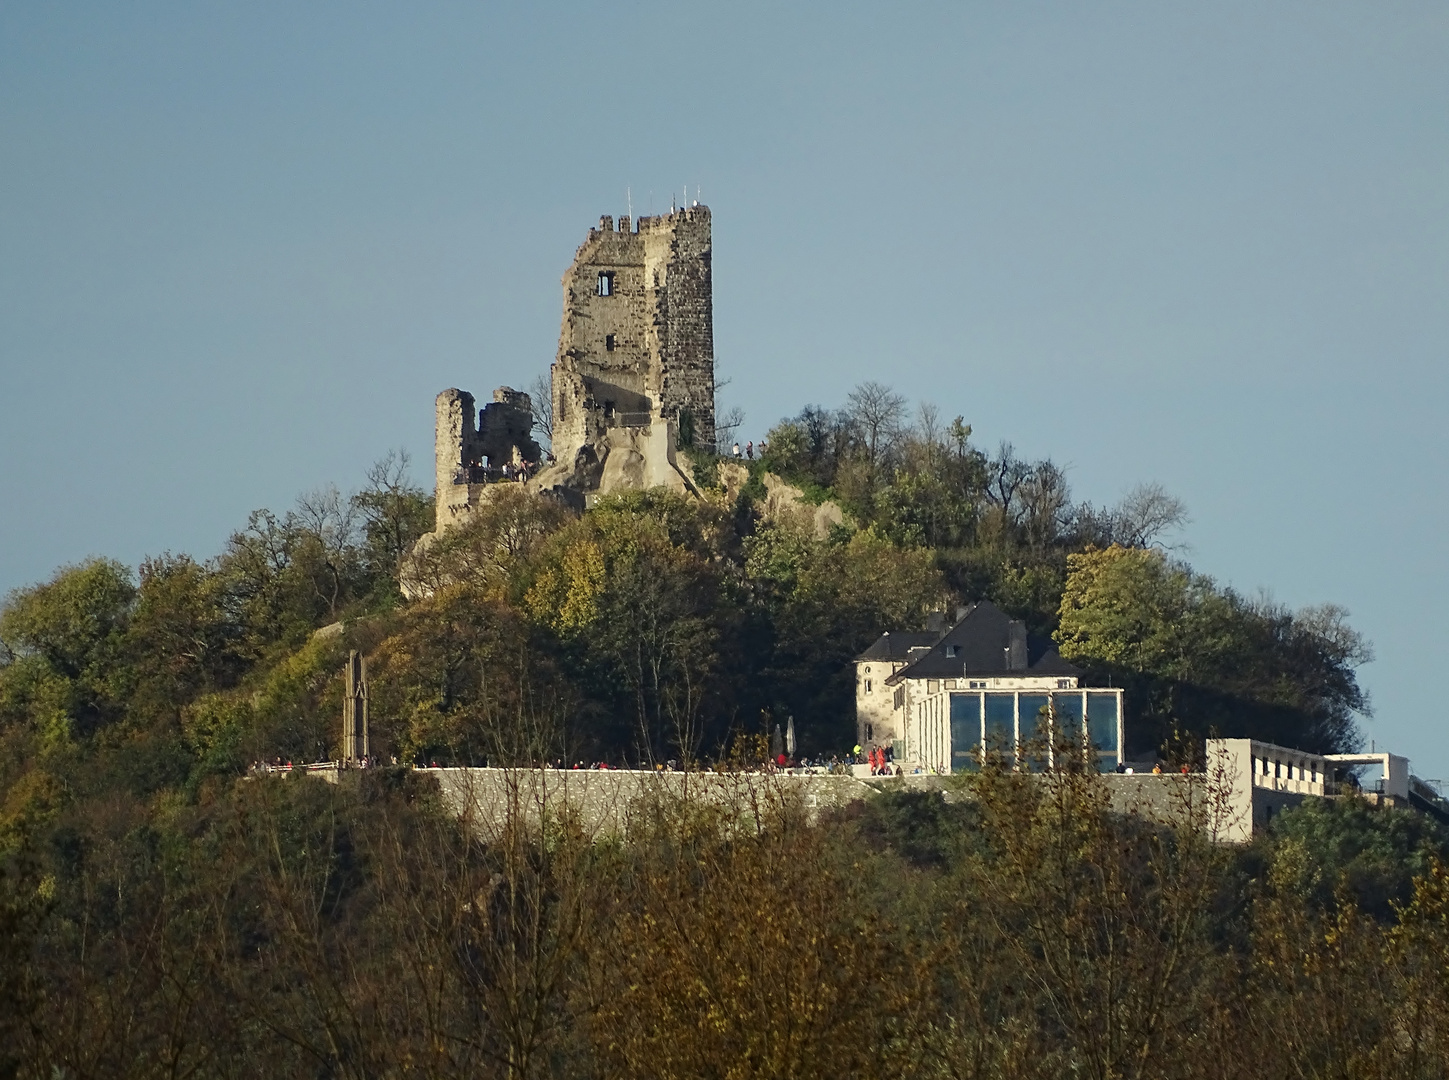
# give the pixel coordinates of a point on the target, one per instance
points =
(786, 504)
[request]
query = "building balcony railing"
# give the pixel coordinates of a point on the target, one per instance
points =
(490, 474)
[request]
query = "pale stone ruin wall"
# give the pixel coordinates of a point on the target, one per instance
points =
(641, 349)
(468, 454)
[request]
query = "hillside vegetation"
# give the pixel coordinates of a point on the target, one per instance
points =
(162, 912)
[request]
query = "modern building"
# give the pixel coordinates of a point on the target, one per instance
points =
(941, 697)
(1262, 780)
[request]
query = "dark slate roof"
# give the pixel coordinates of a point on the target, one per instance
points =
(897, 644)
(982, 640)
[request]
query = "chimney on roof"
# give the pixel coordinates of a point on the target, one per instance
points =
(1016, 645)
(936, 622)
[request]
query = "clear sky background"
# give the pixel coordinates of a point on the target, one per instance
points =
(243, 246)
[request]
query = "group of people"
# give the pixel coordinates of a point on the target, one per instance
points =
(512, 472)
(879, 757)
(749, 449)
(280, 765)
(881, 760)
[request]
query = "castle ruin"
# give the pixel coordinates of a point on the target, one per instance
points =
(632, 381)
(637, 343)
(468, 458)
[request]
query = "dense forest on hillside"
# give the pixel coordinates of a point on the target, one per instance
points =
(654, 627)
(162, 912)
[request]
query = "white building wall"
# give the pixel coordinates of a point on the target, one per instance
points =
(878, 719)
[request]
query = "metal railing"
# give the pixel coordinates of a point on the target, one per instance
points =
(489, 474)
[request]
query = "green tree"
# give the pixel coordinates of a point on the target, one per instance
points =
(63, 650)
(395, 514)
(1195, 655)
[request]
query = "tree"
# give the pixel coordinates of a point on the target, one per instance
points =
(631, 588)
(540, 396)
(1193, 654)
(725, 426)
(742, 944)
(64, 641)
(395, 513)
(324, 525)
(877, 411)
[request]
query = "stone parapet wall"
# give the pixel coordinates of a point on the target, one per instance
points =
(609, 802)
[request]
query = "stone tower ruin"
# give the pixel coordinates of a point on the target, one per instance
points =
(637, 344)
(632, 381)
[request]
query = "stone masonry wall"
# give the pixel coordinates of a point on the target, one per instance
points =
(453, 440)
(647, 347)
(606, 802)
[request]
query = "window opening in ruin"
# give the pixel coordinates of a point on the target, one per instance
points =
(609, 342)
(867, 686)
(606, 283)
(869, 733)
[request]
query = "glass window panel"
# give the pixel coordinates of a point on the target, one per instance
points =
(1000, 723)
(1032, 714)
(1102, 721)
(965, 731)
(1070, 715)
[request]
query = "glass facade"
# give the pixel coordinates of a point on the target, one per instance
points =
(1102, 721)
(1006, 721)
(1000, 724)
(1033, 729)
(965, 731)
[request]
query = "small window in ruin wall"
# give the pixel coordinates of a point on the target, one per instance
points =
(608, 340)
(867, 686)
(606, 283)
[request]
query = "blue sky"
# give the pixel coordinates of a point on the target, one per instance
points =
(243, 246)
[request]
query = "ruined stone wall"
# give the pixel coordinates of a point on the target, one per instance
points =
(503, 434)
(453, 450)
(637, 339)
(505, 429)
(679, 255)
